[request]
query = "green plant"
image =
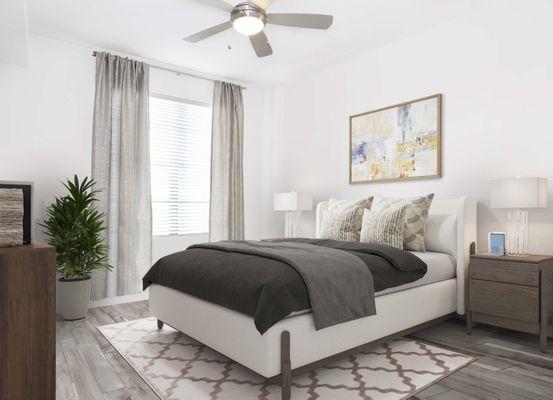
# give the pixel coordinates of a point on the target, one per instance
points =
(74, 228)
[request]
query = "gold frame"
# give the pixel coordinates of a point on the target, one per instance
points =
(439, 136)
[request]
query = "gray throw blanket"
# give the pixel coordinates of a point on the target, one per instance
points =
(339, 284)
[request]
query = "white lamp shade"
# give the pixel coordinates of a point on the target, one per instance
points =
(293, 201)
(518, 193)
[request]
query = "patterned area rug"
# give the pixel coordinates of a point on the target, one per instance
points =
(177, 367)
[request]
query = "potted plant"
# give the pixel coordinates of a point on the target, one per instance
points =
(74, 228)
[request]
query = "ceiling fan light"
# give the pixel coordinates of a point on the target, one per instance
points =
(248, 25)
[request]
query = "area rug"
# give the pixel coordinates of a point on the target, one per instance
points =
(177, 367)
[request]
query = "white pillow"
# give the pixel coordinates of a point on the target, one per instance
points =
(440, 235)
(342, 205)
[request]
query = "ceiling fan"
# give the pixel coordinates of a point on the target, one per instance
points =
(249, 19)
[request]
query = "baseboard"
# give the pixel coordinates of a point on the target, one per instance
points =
(119, 300)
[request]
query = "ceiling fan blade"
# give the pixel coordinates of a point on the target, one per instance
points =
(264, 4)
(261, 45)
(208, 32)
(313, 21)
(220, 4)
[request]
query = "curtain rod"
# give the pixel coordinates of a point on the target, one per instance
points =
(179, 72)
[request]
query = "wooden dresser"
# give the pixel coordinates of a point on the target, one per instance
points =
(513, 292)
(27, 322)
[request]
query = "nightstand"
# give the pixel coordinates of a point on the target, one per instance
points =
(513, 292)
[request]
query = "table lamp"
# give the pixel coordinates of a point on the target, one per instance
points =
(517, 195)
(293, 203)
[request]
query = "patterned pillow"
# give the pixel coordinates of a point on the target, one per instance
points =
(342, 224)
(345, 205)
(416, 216)
(384, 227)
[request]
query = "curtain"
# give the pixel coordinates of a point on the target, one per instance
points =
(121, 168)
(226, 207)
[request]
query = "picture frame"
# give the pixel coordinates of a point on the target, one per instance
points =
(496, 243)
(11, 217)
(397, 143)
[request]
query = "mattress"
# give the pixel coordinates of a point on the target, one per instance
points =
(441, 267)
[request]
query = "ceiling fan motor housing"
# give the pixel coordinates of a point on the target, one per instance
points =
(248, 10)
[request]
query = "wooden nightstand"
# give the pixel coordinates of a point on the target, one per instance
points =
(513, 292)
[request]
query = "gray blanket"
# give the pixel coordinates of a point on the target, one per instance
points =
(339, 284)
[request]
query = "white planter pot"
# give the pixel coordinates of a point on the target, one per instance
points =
(74, 298)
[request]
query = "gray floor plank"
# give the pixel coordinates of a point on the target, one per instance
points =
(431, 392)
(494, 363)
(448, 395)
(134, 384)
(121, 394)
(513, 351)
(532, 371)
(65, 388)
(101, 369)
(86, 386)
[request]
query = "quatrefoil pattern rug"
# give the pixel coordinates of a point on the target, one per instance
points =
(178, 368)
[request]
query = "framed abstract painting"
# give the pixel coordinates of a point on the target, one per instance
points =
(400, 142)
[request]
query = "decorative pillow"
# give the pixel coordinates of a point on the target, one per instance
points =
(385, 227)
(343, 205)
(416, 216)
(342, 224)
(346, 205)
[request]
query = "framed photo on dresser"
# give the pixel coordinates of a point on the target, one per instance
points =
(395, 143)
(496, 243)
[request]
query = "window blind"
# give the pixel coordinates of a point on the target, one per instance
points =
(180, 144)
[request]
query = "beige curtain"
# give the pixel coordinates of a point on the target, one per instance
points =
(226, 208)
(121, 168)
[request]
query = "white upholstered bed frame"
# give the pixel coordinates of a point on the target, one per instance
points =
(293, 345)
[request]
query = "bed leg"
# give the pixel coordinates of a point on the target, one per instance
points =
(285, 366)
(159, 324)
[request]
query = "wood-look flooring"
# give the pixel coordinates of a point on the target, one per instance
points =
(509, 366)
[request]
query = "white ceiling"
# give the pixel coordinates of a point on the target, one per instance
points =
(153, 29)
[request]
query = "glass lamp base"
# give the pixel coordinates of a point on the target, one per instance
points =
(292, 224)
(517, 233)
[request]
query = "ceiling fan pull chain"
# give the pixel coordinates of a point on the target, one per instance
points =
(229, 45)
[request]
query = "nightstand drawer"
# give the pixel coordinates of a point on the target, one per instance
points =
(505, 271)
(505, 300)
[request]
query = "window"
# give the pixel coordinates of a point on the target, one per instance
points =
(180, 143)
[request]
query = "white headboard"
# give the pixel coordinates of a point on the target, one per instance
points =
(462, 213)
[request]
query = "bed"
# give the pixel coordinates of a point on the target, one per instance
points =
(293, 345)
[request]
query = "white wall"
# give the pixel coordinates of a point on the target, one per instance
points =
(14, 32)
(46, 119)
(495, 71)
(46, 127)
